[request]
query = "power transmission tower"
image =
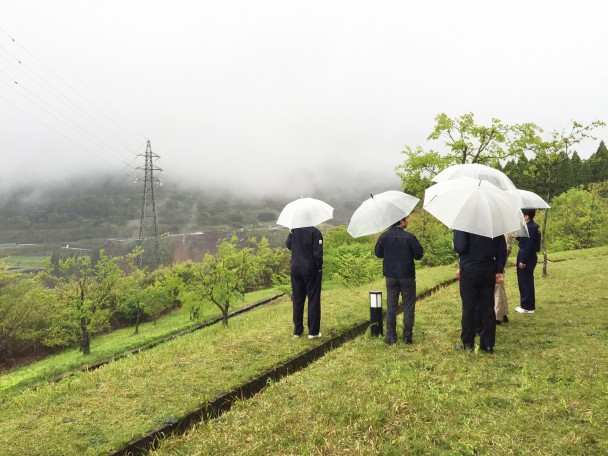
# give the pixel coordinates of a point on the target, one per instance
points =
(148, 208)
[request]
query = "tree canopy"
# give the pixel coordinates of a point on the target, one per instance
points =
(463, 141)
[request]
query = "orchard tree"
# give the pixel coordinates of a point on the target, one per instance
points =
(265, 263)
(549, 152)
(86, 292)
(23, 312)
(464, 141)
(223, 278)
(142, 293)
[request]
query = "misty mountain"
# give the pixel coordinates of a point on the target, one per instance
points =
(82, 209)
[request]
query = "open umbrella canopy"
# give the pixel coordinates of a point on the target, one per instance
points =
(483, 172)
(305, 212)
(530, 200)
(381, 211)
(475, 206)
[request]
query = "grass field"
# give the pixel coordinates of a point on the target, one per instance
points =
(544, 391)
(114, 344)
(93, 412)
(25, 262)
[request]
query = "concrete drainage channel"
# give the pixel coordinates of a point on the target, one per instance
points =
(223, 403)
(97, 365)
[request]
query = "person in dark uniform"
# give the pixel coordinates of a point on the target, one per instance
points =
(399, 249)
(526, 262)
(482, 263)
(306, 245)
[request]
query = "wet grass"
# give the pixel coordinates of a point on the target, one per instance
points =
(94, 412)
(575, 254)
(113, 344)
(25, 262)
(544, 391)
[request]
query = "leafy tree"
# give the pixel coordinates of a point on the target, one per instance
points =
(282, 282)
(419, 167)
(223, 278)
(580, 218)
(130, 296)
(22, 313)
(86, 293)
(335, 241)
(599, 189)
(465, 142)
(339, 236)
(599, 207)
(144, 294)
(186, 275)
(429, 231)
(549, 152)
(265, 263)
(356, 265)
(442, 251)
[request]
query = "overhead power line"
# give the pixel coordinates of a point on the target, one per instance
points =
(57, 93)
(113, 164)
(58, 99)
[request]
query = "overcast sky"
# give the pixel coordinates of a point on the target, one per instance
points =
(274, 94)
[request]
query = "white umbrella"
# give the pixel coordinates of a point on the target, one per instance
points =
(475, 206)
(305, 212)
(479, 171)
(530, 200)
(381, 211)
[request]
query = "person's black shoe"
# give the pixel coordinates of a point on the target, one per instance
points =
(505, 319)
(408, 340)
(487, 349)
(464, 347)
(498, 322)
(390, 341)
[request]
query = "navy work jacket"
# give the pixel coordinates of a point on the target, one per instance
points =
(306, 245)
(399, 250)
(480, 253)
(528, 245)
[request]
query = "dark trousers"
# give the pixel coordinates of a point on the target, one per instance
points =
(306, 283)
(525, 281)
(477, 293)
(407, 289)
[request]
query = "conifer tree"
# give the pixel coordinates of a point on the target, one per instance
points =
(599, 163)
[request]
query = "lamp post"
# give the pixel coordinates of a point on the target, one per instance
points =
(375, 313)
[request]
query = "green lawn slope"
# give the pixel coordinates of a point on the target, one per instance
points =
(94, 412)
(544, 391)
(115, 344)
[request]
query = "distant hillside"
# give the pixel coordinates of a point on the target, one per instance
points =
(94, 214)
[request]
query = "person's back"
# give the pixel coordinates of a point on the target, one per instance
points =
(529, 245)
(478, 252)
(399, 249)
(526, 263)
(482, 262)
(306, 245)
